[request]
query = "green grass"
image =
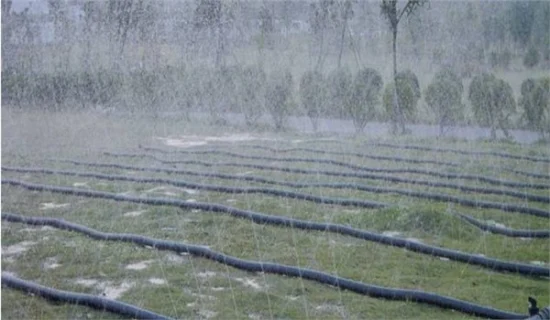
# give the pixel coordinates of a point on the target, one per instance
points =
(198, 288)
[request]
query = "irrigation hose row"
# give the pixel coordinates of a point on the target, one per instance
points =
(509, 232)
(362, 155)
(275, 268)
(462, 151)
(507, 207)
(505, 192)
(260, 218)
(213, 188)
(355, 154)
(446, 175)
(77, 298)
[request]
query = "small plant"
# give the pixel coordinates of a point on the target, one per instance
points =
(444, 97)
(278, 97)
(535, 101)
(493, 102)
(500, 59)
(407, 94)
(531, 58)
(365, 96)
(313, 95)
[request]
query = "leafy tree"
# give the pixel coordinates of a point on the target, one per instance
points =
(531, 58)
(493, 102)
(521, 19)
(266, 26)
(407, 93)
(122, 18)
(394, 15)
(313, 95)
(278, 97)
(321, 13)
(365, 96)
(345, 13)
(252, 94)
(535, 101)
(340, 82)
(215, 16)
(444, 97)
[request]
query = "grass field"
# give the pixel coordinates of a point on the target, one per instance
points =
(183, 286)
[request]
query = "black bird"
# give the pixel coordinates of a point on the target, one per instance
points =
(533, 309)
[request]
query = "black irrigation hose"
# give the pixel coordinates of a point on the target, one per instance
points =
(446, 175)
(260, 218)
(504, 231)
(507, 207)
(390, 178)
(214, 188)
(462, 151)
(544, 314)
(275, 268)
(505, 192)
(77, 298)
(275, 150)
(356, 154)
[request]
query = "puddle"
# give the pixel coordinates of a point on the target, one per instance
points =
(43, 228)
(195, 141)
(134, 213)
(140, 265)
(414, 240)
(206, 274)
(18, 248)
(496, 224)
(175, 258)
(391, 233)
(191, 201)
(249, 283)
(52, 205)
(86, 282)
(157, 281)
(51, 263)
(231, 200)
(114, 292)
(217, 289)
(207, 313)
(538, 263)
(80, 184)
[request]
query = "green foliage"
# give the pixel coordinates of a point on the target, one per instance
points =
(313, 95)
(365, 96)
(278, 97)
(339, 91)
(444, 97)
(500, 59)
(408, 94)
(493, 102)
(252, 94)
(531, 58)
(535, 101)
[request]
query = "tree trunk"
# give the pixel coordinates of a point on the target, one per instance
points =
(342, 40)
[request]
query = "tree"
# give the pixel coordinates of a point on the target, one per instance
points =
(345, 13)
(535, 101)
(493, 102)
(320, 15)
(122, 18)
(278, 97)
(444, 97)
(406, 90)
(214, 16)
(340, 81)
(252, 94)
(313, 95)
(365, 96)
(394, 15)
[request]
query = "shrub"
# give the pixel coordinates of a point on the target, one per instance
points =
(493, 102)
(278, 97)
(408, 94)
(444, 97)
(531, 58)
(364, 96)
(252, 94)
(535, 101)
(313, 95)
(339, 91)
(500, 59)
